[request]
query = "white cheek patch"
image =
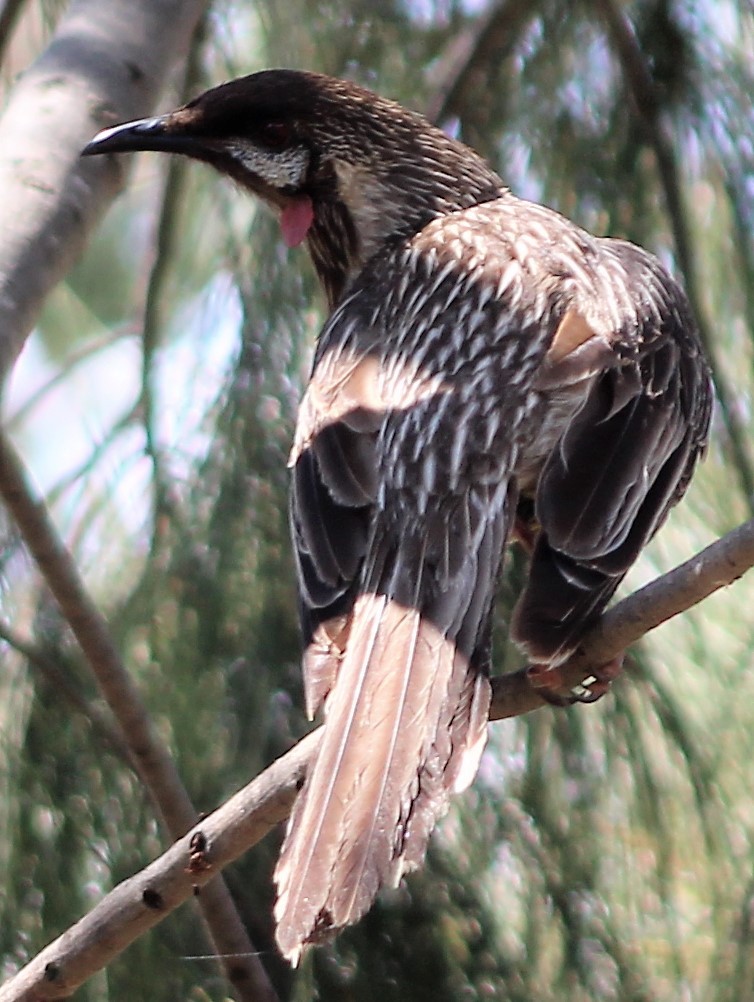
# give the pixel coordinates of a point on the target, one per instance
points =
(279, 170)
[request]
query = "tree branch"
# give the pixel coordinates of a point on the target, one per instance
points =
(149, 756)
(107, 62)
(142, 901)
(165, 236)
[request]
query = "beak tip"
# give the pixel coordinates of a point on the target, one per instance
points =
(91, 148)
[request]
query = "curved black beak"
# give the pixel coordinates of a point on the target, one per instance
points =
(183, 131)
(160, 134)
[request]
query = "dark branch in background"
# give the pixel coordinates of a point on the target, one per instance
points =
(140, 902)
(471, 57)
(648, 107)
(59, 678)
(159, 273)
(743, 243)
(149, 756)
(9, 15)
(165, 239)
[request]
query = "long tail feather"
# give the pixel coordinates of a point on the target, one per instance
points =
(406, 725)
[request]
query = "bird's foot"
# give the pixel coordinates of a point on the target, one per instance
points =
(525, 532)
(548, 681)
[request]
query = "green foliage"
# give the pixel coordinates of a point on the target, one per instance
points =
(604, 853)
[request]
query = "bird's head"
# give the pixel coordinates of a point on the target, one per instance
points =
(345, 169)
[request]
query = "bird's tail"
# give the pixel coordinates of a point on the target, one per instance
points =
(406, 725)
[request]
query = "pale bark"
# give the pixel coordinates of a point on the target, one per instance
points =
(107, 62)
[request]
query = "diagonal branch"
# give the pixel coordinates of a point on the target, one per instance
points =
(142, 901)
(149, 756)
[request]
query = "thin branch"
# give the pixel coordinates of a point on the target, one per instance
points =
(648, 107)
(142, 901)
(717, 566)
(80, 354)
(743, 245)
(149, 756)
(160, 270)
(93, 457)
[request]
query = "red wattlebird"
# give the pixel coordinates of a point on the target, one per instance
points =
(488, 369)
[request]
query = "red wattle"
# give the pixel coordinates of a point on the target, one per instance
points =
(296, 218)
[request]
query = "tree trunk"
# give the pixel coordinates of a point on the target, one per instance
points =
(108, 62)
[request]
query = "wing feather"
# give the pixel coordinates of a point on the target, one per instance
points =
(623, 461)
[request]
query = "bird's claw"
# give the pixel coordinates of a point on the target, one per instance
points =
(548, 681)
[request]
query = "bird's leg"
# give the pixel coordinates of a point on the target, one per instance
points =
(524, 534)
(525, 525)
(549, 683)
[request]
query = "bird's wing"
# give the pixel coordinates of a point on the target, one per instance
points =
(333, 490)
(623, 460)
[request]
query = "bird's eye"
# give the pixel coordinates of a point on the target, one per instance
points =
(276, 135)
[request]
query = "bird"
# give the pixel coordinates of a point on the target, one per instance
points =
(488, 372)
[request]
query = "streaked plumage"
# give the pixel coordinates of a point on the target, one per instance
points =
(485, 362)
